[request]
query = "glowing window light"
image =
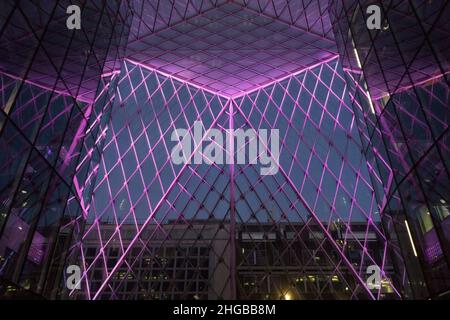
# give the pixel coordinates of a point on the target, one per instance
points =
(357, 57)
(287, 296)
(358, 61)
(369, 99)
(410, 238)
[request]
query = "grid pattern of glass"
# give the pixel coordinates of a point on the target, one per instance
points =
(53, 87)
(400, 91)
(321, 201)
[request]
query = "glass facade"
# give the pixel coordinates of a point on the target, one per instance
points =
(400, 87)
(53, 110)
(89, 122)
(322, 187)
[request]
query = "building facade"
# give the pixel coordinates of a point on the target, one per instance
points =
(87, 118)
(179, 265)
(399, 77)
(54, 107)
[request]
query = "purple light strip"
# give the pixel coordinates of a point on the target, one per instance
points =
(170, 76)
(49, 89)
(311, 67)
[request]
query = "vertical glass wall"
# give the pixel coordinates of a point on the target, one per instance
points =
(50, 77)
(159, 230)
(400, 80)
